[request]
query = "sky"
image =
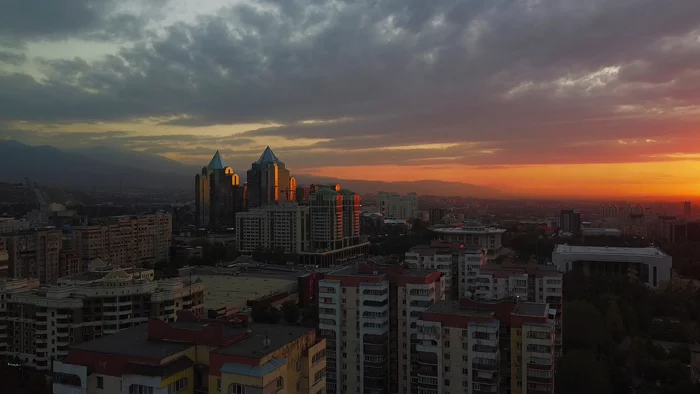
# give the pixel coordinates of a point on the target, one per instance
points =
(595, 98)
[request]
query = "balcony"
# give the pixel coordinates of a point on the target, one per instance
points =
(484, 365)
(538, 379)
(429, 371)
(493, 380)
(427, 358)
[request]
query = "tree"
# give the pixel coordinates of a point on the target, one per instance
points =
(582, 328)
(264, 312)
(290, 312)
(614, 322)
(580, 372)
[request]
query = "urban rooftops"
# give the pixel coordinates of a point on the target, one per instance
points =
(605, 250)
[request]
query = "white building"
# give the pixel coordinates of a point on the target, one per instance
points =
(273, 226)
(396, 206)
(649, 265)
(472, 234)
(39, 323)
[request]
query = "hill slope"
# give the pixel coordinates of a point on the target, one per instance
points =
(52, 167)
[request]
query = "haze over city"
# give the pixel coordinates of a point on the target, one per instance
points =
(588, 99)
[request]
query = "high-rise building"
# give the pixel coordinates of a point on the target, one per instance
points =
(479, 347)
(127, 241)
(436, 215)
(443, 256)
(274, 226)
(529, 282)
(4, 259)
(687, 210)
(42, 322)
(611, 213)
(368, 315)
(268, 181)
(395, 206)
(193, 355)
(570, 220)
(218, 195)
(334, 219)
(302, 194)
(34, 254)
(11, 225)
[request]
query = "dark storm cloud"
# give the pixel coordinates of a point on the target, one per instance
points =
(29, 20)
(503, 74)
(12, 58)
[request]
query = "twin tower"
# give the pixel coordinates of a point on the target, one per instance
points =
(219, 193)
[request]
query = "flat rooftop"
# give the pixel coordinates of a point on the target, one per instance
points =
(254, 345)
(449, 307)
(619, 251)
(133, 342)
(531, 309)
(235, 291)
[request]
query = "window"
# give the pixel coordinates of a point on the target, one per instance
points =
(280, 382)
(236, 389)
(447, 382)
(298, 386)
(139, 389)
(100, 382)
(218, 384)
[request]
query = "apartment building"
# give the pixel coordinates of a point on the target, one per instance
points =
(127, 240)
(34, 254)
(42, 322)
(368, 313)
(195, 355)
(439, 255)
(529, 282)
(273, 226)
(480, 347)
(334, 219)
(4, 259)
(11, 225)
(396, 206)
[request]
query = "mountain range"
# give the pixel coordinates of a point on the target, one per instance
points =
(115, 169)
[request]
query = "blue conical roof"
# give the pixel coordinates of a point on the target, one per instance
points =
(216, 163)
(268, 156)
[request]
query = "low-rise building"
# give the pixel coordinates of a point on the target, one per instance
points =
(42, 322)
(196, 356)
(649, 265)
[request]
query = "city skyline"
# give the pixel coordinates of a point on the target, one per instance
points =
(549, 106)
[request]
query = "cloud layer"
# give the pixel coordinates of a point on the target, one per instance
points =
(482, 82)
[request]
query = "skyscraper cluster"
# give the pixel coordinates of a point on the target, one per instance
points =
(272, 212)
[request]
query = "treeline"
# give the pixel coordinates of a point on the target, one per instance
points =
(616, 335)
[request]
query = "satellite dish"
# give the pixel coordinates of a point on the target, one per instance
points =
(468, 294)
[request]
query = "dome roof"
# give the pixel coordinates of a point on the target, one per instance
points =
(346, 191)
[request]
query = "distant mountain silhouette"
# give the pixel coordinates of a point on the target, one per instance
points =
(424, 187)
(134, 159)
(108, 168)
(49, 166)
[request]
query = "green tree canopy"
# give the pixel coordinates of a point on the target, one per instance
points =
(580, 372)
(290, 312)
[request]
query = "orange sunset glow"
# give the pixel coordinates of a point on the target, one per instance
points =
(530, 99)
